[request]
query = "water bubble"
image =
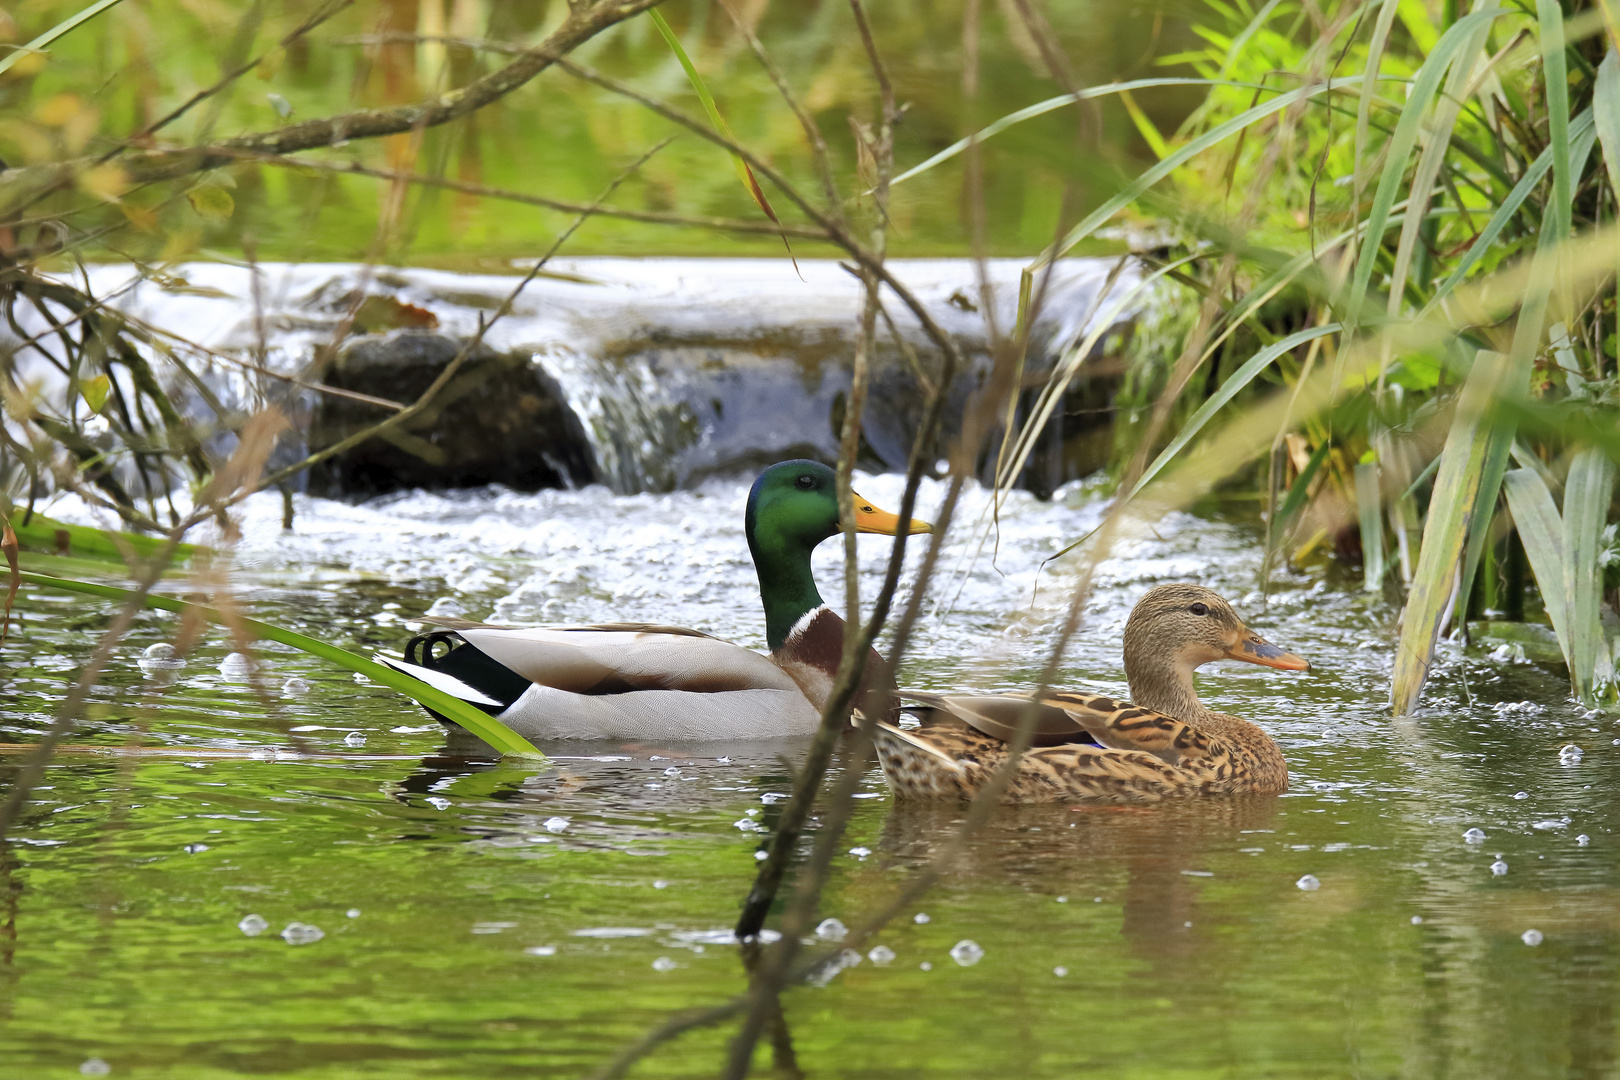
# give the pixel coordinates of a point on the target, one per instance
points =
(772, 797)
(541, 950)
(752, 811)
(1532, 937)
(352, 913)
(921, 918)
(860, 852)
(849, 958)
(1060, 971)
(354, 738)
(160, 660)
(555, 824)
(236, 666)
(672, 771)
(253, 925)
(760, 856)
(294, 687)
(1063, 899)
(1498, 868)
(1583, 840)
(925, 966)
(438, 802)
(722, 761)
(298, 933)
(95, 1067)
(1521, 794)
(1309, 883)
(881, 955)
(194, 849)
(1570, 755)
(447, 607)
(1474, 836)
(967, 952)
(831, 930)
(660, 884)
(748, 824)
(664, 963)
(363, 680)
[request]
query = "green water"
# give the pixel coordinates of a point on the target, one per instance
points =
(495, 920)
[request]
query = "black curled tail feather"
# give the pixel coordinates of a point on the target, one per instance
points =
(470, 665)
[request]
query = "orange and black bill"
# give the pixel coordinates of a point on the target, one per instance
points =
(869, 519)
(1257, 650)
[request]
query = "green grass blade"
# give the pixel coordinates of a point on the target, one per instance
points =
(1041, 108)
(61, 28)
(1498, 445)
(744, 173)
(1541, 529)
(1240, 378)
(1606, 110)
(1433, 156)
(1375, 55)
(1587, 492)
(1451, 508)
(475, 720)
(1422, 92)
(1581, 131)
(1369, 511)
(1555, 70)
(41, 533)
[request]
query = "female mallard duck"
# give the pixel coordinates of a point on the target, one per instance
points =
(638, 681)
(1086, 747)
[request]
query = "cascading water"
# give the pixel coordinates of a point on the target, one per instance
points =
(665, 371)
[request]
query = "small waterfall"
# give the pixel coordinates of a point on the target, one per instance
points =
(643, 374)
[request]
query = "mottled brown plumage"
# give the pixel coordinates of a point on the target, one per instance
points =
(1086, 747)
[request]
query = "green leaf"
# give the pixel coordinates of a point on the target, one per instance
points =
(1369, 511)
(1296, 493)
(1451, 508)
(744, 173)
(211, 202)
(61, 28)
(1581, 131)
(1400, 146)
(1556, 74)
(1229, 389)
(1606, 110)
(1587, 491)
(95, 391)
(475, 720)
(1541, 529)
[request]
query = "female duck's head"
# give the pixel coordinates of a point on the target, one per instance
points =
(793, 507)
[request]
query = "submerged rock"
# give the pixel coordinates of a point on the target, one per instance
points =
(499, 420)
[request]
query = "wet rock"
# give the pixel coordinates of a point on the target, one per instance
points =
(499, 420)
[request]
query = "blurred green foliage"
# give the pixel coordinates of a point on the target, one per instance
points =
(562, 138)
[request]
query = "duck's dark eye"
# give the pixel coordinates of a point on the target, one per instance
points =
(1199, 609)
(805, 483)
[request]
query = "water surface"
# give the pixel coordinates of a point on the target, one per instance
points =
(498, 919)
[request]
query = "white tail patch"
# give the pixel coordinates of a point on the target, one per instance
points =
(438, 680)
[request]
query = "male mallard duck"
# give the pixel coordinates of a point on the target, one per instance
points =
(639, 681)
(1093, 748)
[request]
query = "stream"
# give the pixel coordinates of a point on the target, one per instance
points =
(294, 875)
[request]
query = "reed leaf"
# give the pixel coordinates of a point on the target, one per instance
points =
(1541, 529)
(1369, 507)
(1235, 382)
(1555, 72)
(744, 173)
(475, 720)
(1581, 133)
(72, 22)
(1422, 91)
(1606, 111)
(1452, 507)
(1587, 491)
(1301, 486)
